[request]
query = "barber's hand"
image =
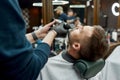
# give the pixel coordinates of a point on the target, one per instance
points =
(59, 28)
(41, 33)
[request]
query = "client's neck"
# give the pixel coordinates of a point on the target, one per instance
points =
(73, 53)
(68, 57)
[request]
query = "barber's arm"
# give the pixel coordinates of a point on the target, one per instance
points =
(40, 33)
(50, 37)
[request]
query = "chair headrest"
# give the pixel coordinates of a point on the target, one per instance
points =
(89, 69)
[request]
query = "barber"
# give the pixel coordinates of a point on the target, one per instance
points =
(18, 59)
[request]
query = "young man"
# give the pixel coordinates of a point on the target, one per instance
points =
(88, 43)
(61, 15)
(71, 16)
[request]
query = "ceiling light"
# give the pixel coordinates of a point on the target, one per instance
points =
(77, 6)
(59, 2)
(55, 2)
(37, 4)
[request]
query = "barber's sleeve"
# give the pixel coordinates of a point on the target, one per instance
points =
(18, 60)
(42, 51)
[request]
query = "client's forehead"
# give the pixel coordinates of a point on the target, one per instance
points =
(89, 27)
(88, 30)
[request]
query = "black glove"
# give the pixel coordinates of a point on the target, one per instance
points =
(60, 29)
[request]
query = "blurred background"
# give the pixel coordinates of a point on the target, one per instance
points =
(91, 12)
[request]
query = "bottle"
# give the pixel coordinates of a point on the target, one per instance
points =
(114, 35)
(108, 38)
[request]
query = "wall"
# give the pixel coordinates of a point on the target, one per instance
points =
(106, 17)
(32, 15)
(105, 10)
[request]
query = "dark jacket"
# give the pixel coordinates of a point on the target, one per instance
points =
(18, 60)
(63, 17)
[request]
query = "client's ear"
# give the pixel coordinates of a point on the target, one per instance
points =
(76, 46)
